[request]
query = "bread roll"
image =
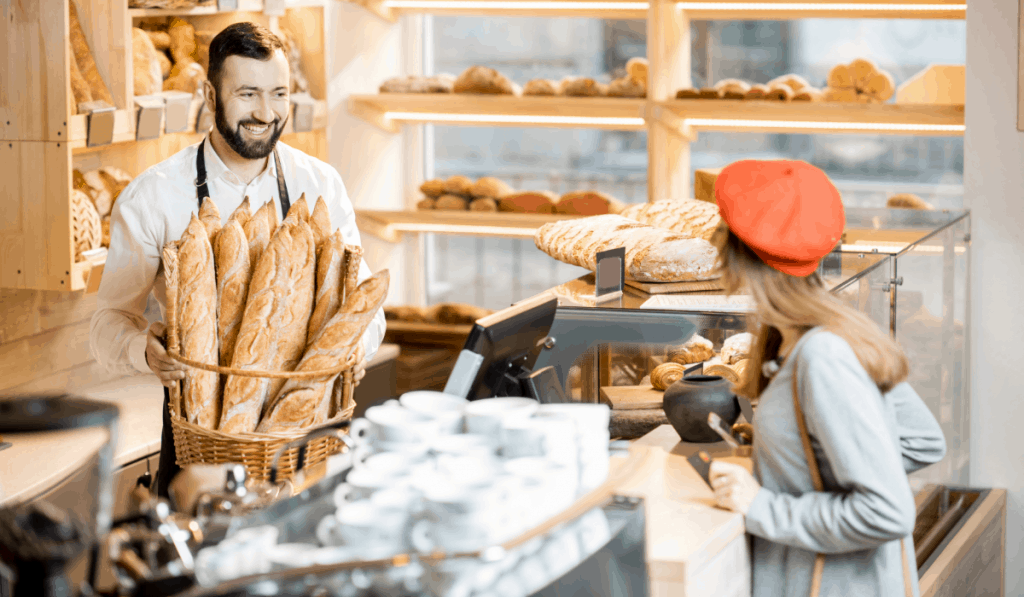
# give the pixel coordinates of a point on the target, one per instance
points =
(488, 186)
(779, 92)
(587, 203)
(233, 274)
(535, 202)
(458, 185)
(145, 66)
(426, 203)
(637, 68)
(330, 262)
(666, 374)
(84, 59)
(862, 69)
(733, 88)
(880, 86)
(840, 94)
(483, 204)
(583, 87)
(627, 87)
(257, 232)
(161, 40)
(433, 188)
(696, 350)
(737, 347)
(209, 215)
(320, 222)
(197, 321)
(79, 86)
(480, 79)
(795, 82)
(809, 94)
(688, 93)
(452, 203)
(303, 402)
(840, 77)
(182, 37)
(541, 87)
(185, 76)
(710, 93)
(652, 254)
(907, 201)
(457, 313)
(274, 325)
(756, 92)
(692, 219)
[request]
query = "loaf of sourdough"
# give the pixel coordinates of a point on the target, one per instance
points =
(303, 402)
(197, 321)
(330, 262)
(280, 299)
(693, 219)
(233, 275)
(652, 254)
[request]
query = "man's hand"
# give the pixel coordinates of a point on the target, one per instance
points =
(167, 370)
(359, 369)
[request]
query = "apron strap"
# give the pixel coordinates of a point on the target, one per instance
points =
(203, 191)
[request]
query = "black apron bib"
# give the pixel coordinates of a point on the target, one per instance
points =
(168, 466)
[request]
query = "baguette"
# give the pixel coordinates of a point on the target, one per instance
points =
(209, 215)
(273, 220)
(298, 211)
(652, 254)
(233, 275)
(257, 232)
(320, 221)
(294, 324)
(242, 214)
(83, 57)
(350, 273)
(197, 320)
(302, 402)
(279, 300)
(692, 219)
(330, 261)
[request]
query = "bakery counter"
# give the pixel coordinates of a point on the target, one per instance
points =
(694, 549)
(37, 462)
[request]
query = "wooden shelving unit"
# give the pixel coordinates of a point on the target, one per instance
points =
(389, 225)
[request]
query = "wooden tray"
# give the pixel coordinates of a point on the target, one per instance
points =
(632, 397)
(676, 287)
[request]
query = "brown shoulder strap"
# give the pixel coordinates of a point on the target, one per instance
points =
(819, 485)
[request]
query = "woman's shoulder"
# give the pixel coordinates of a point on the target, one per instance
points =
(824, 345)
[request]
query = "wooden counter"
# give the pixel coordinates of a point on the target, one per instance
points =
(694, 549)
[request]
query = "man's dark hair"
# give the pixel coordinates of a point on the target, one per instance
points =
(247, 39)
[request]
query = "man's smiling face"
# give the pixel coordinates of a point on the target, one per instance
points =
(252, 103)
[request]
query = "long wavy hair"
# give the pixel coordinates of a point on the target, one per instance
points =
(801, 303)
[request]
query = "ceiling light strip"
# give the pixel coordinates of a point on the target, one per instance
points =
(802, 125)
(515, 119)
(817, 6)
(514, 5)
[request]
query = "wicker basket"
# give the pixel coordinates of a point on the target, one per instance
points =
(198, 445)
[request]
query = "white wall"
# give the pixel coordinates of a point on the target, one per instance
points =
(994, 192)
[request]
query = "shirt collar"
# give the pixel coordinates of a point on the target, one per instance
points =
(215, 167)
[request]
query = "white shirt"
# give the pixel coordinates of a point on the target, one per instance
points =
(156, 208)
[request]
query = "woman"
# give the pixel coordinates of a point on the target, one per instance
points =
(868, 428)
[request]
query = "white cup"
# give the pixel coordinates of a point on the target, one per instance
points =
(463, 443)
(393, 425)
(589, 417)
(380, 530)
(551, 437)
(387, 463)
(445, 408)
(487, 416)
(361, 483)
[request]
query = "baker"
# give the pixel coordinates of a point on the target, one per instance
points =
(248, 91)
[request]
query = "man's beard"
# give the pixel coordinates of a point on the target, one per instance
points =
(250, 150)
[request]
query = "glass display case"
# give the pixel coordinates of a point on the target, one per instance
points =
(906, 270)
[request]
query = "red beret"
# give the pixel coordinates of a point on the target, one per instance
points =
(788, 212)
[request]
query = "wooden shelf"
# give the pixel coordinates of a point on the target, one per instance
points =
(821, 9)
(78, 128)
(243, 5)
(389, 225)
(389, 110)
(815, 117)
(390, 10)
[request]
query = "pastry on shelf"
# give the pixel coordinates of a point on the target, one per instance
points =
(732, 88)
(780, 92)
(693, 219)
(408, 313)
(147, 74)
(531, 202)
(457, 313)
(716, 367)
(489, 186)
(709, 93)
(84, 60)
(483, 204)
(418, 84)
(637, 68)
(809, 94)
(696, 350)
(737, 347)
(757, 91)
(666, 374)
(588, 203)
(427, 203)
(484, 80)
(627, 87)
(688, 93)
(433, 188)
(907, 201)
(583, 87)
(795, 82)
(451, 203)
(458, 185)
(541, 87)
(859, 81)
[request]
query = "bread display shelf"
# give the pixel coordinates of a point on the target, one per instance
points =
(243, 6)
(78, 129)
(389, 225)
(389, 110)
(815, 117)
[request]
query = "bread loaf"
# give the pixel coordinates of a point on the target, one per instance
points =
(161, 39)
(209, 215)
(737, 347)
(666, 374)
(688, 93)
(696, 350)
(257, 232)
(652, 254)
(451, 203)
(273, 220)
(710, 93)
(483, 204)
(627, 87)
(480, 79)
(433, 188)
(456, 313)
(535, 202)
(907, 201)
(242, 214)
(165, 66)
(79, 86)
(426, 203)
(98, 192)
(692, 219)
(330, 262)
(84, 59)
(541, 87)
(274, 325)
(145, 66)
(756, 92)
(350, 273)
(587, 203)
(779, 92)
(197, 320)
(458, 185)
(182, 36)
(583, 87)
(299, 211)
(233, 275)
(320, 222)
(488, 186)
(733, 88)
(301, 400)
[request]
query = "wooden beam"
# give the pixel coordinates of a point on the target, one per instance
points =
(668, 140)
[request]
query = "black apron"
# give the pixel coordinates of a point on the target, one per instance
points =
(168, 466)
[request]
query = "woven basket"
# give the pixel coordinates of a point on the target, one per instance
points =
(198, 445)
(85, 224)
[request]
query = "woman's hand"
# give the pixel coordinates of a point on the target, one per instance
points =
(735, 488)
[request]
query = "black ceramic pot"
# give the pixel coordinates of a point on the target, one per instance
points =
(689, 401)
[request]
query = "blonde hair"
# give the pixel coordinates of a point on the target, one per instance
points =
(786, 301)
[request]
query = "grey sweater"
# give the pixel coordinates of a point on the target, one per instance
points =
(865, 444)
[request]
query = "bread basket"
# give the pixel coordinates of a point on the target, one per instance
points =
(194, 444)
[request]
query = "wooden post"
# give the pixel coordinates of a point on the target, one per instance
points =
(668, 149)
